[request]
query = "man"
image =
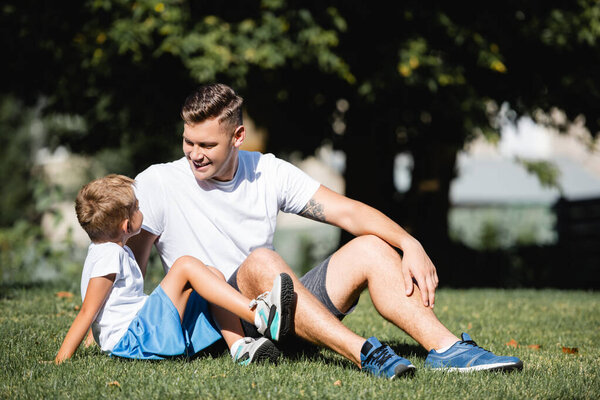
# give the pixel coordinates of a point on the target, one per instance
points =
(219, 204)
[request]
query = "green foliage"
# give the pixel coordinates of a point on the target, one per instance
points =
(17, 144)
(491, 236)
(546, 172)
(502, 228)
(418, 79)
(26, 256)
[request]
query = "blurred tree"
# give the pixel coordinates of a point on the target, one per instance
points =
(16, 175)
(426, 77)
(126, 67)
(374, 78)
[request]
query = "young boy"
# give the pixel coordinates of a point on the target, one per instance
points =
(174, 320)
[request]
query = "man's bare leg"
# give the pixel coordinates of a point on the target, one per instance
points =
(369, 262)
(313, 322)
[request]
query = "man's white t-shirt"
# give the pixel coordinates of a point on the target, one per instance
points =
(219, 223)
(126, 296)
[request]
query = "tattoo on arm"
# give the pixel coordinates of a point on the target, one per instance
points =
(313, 210)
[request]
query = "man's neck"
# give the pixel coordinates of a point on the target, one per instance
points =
(231, 171)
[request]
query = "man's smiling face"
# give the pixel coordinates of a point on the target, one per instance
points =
(211, 151)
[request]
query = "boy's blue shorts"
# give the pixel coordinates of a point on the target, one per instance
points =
(157, 333)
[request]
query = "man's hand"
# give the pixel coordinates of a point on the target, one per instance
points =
(141, 245)
(417, 265)
(360, 219)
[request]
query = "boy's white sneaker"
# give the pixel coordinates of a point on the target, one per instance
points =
(249, 350)
(273, 318)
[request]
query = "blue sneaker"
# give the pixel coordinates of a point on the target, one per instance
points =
(466, 356)
(381, 360)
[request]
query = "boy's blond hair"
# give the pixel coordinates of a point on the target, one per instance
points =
(103, 204)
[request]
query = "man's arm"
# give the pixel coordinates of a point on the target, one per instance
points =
(360, 219)
(141, 244)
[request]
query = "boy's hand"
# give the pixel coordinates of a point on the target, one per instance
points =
(89, 340)
(59, 360)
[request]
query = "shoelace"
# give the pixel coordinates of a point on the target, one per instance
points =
(379, 356)
(472, 343)
(255, 301)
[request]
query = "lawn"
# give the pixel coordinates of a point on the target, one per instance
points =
(555, 333)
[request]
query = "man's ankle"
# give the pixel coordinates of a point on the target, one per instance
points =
(445, 344)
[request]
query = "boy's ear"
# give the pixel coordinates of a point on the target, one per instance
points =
(125, 226)
(238, 136)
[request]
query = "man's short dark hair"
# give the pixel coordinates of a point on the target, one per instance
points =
(213, 101)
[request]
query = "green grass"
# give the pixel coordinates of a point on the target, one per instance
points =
(33, 323)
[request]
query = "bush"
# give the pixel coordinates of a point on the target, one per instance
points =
(27, 256)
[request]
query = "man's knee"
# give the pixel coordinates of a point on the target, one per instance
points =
(265, 259)
(371, 244)
(257, 272)
(365, 255)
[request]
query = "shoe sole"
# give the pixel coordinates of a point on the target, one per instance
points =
(505, 367)
(287, 298)
(265, 352)
(403, 371)
(281, 308)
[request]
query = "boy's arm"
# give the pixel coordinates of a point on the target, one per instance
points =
(97, 291)
(141, 245)
(360, 219)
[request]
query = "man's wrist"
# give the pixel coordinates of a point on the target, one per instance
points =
(408, 243)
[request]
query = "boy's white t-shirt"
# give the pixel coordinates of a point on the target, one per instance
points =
(219, 223)
(126, 296)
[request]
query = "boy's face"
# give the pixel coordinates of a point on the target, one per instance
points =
(211, 152)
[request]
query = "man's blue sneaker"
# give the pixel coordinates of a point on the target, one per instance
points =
(380, 360)
(465, 356)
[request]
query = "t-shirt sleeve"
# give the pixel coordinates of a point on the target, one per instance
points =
(109, 262)
(149, 192)
(294, 187)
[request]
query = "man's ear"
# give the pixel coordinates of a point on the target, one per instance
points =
(238, 136)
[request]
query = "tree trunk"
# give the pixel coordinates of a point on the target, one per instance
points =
(428, 198)
(369, 171)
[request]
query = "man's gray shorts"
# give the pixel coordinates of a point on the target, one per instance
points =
(314, 281)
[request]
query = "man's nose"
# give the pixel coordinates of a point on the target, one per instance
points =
(196, 153)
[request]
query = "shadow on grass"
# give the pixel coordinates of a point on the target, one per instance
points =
(293, 349)
(297, 349)
(8, 290)
(407, 350)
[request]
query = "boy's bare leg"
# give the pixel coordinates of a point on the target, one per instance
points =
(230, 325)
(187, 274)
(313, 322)
(369, 262)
